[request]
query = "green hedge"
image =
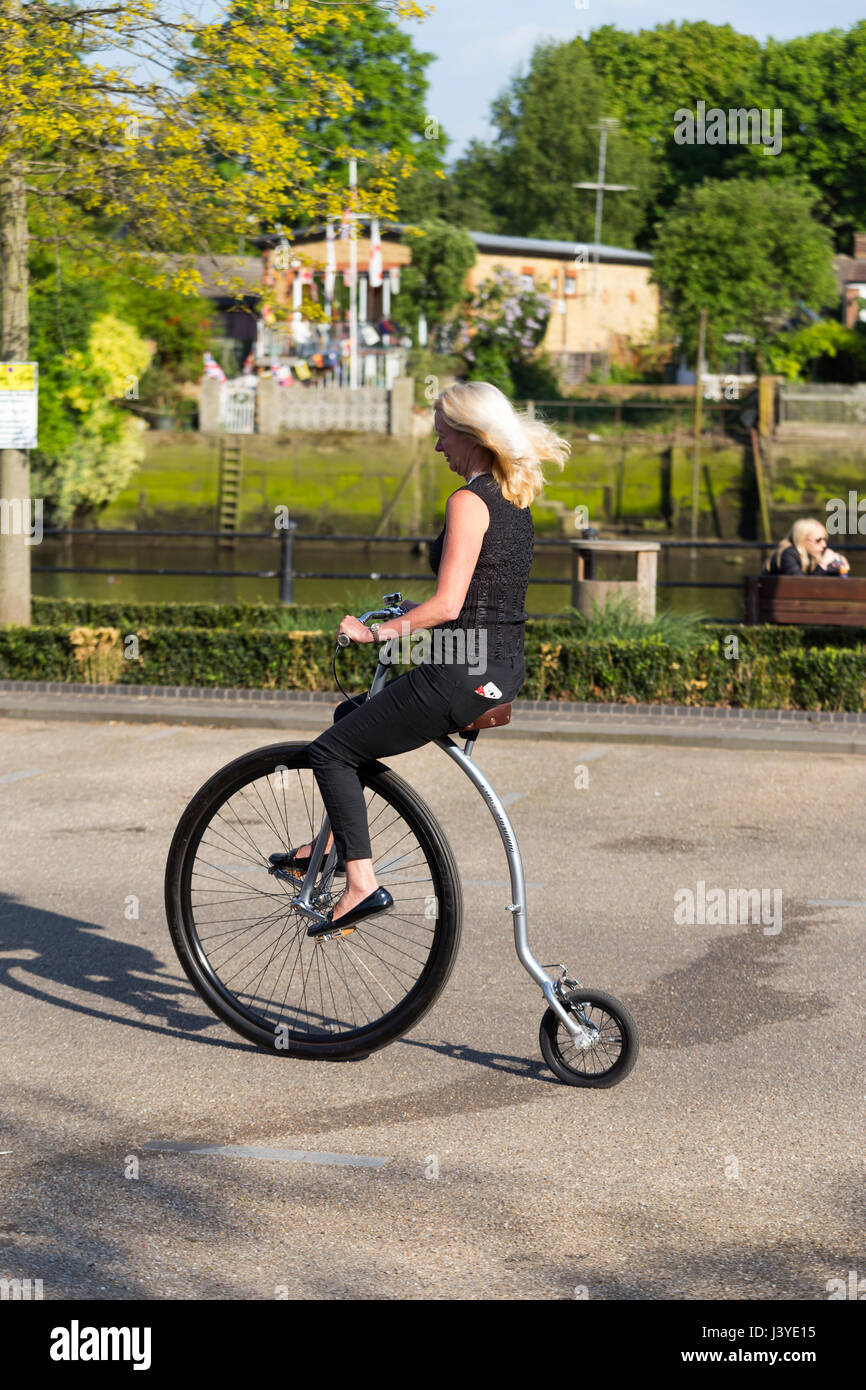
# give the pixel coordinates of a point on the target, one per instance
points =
(60, 612)
(775, 668)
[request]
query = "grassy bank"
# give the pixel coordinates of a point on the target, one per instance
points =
(337, 483)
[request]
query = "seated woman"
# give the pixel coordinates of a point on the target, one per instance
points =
(805, 551)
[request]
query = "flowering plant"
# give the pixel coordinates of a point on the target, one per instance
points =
(501, 314)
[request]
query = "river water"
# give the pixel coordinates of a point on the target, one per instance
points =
(373, 562)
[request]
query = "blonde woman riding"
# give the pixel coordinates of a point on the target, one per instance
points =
(482, 559)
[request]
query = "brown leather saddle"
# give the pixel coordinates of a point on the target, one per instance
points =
(499, 714)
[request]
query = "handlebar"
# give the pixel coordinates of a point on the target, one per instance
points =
(390, 611)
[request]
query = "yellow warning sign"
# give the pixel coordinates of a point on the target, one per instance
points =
(19, 404)
(17, 376)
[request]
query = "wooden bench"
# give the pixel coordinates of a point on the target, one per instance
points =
(789, 598)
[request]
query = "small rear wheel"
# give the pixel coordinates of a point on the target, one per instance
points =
(611, 1054)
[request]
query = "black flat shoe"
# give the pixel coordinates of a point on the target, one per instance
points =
(298, 864)
(378, 901)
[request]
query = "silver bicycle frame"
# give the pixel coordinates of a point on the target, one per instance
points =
(517, 906)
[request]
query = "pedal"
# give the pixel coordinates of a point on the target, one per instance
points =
(287, 875)
(331, 935)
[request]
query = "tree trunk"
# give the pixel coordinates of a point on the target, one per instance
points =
(14, 347)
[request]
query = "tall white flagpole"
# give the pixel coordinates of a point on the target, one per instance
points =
(353, 272)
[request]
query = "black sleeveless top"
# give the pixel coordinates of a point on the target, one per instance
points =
(497, 590)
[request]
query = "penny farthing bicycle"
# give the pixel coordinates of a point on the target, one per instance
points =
(239, 920)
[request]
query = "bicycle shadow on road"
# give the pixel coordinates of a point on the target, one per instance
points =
(42, 951)
(527, 1068)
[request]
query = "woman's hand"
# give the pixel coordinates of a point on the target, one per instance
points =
(831, 557)
(355, 630)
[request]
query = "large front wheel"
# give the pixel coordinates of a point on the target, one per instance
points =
(243, 944)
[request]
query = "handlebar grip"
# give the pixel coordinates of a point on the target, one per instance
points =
(343, 640)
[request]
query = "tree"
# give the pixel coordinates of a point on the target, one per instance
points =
(388, 117)
(546, 143)
(89, 446)
(654, 73)
(434, 282)
(179, 327)
(89, 382)
(819, 82)
(825, 351)
(470, 195)
(746, 250)
(522, 181)
(120, 158)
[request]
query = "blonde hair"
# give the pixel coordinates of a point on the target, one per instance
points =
(797, 537)
(519, 443)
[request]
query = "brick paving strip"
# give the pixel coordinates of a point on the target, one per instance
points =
(685, 725)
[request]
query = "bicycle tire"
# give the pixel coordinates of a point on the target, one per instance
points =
(262, 1027)
(559, 1050)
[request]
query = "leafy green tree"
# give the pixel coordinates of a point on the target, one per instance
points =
(656, 72)
(546, 143)
(521, 182)
(434, 283)
(470, 195)
(825, 351)
(491, 364)
(89, 361)
(819, 83)
(110, 119)
(746, 250)
(179, 327)
(387, 117)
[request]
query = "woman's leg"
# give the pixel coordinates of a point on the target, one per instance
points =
(339, 713)
(410, 711)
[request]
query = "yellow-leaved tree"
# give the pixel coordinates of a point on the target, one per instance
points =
(115, 141)
(106, 446)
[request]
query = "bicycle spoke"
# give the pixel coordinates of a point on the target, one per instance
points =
(254, 942)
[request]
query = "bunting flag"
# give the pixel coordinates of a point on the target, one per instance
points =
(330, 263)
(212, 368)
(346, 224)
(395, 279)
(374, 274)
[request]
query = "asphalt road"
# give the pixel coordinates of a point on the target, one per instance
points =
(728, 1165)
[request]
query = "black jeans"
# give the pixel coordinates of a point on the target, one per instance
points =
(409, 711)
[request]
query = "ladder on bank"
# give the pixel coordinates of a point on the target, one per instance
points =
(231, 464)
